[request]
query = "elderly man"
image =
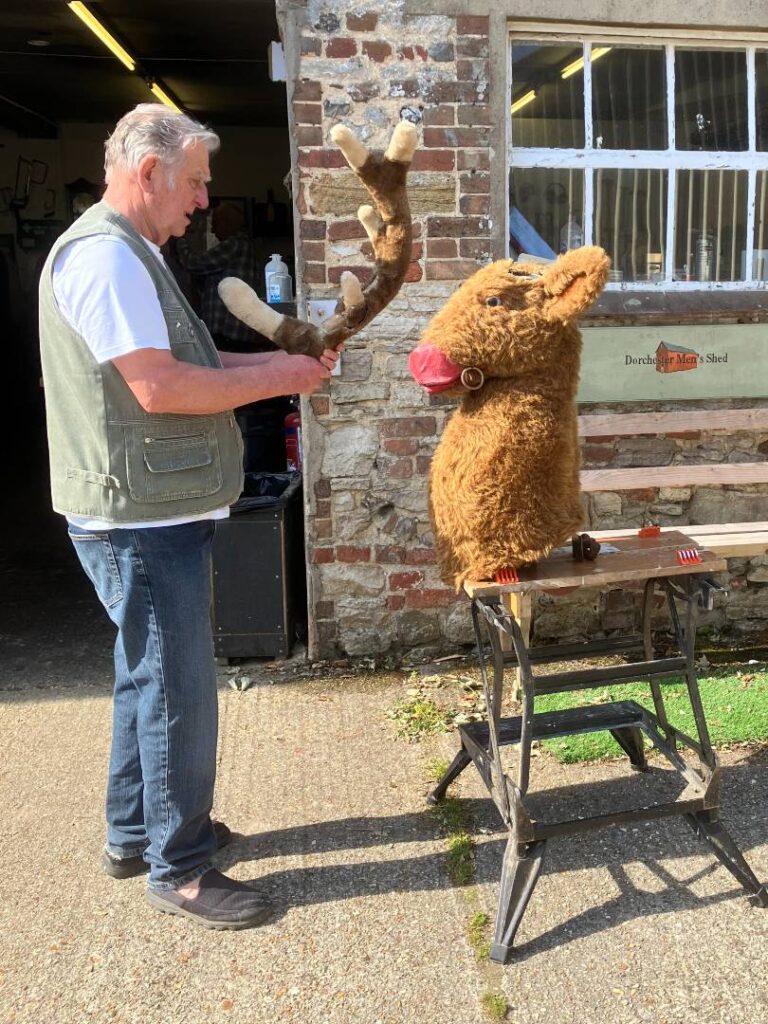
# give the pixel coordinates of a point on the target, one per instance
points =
(145, 456)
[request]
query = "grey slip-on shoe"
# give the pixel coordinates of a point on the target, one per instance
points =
(221, 902)
(129, 867)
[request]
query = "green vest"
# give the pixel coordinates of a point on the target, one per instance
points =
(109, 458)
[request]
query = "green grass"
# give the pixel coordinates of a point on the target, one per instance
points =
(478, 935)
(417, 716)
(735, 706)
(495, 1005)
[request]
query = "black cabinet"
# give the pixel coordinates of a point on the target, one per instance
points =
(259, 588)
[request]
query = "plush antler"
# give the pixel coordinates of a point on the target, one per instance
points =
(389, 229)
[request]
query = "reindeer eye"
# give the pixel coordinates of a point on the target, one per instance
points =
(494, 300)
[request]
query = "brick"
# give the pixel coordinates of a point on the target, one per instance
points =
(399, 469)
(362, 22)
(408, 87)
(442, 52)
(306, 89)
(439, 116)
(594, 453)
(322, 556)
(472, 25)
(321, 405)
(346, 553)
(401, 445)
(395, 602)
(472, 70)
(419, 556)
(414, 272)
(314, 273)
(473, 160)
(460, 137)
(472, 46)
(450, 270)
(474, 113)
(363, 274)
(342, 229)
(325, 610)
(684, 435)
(308, 113)
(311, 47)
(442, 248)
(313, 251)
(377, 50)
(323, 489)
(322, 529)
(408, 426)
(327, 631)
(472, 183)
(475, 248)
(389, 554)
(642, 494)
(457, 227)
(321, 158)
(412, 53)
(429, 598)
(453, 92)
(341, 46)
(423, 463)
(362, 92)
(323, 508)
(309, 135)
(404, 580)
(433, 160)
(474, 205)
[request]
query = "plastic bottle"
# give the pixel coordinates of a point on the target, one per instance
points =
(571, 235)
(293, 453)
(278, 280)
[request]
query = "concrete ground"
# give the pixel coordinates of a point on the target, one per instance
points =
(637, 924)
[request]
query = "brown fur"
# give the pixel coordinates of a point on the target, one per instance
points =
(504, 483)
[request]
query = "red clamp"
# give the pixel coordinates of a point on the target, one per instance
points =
(688, 556)
(649, 531)
(507, 575)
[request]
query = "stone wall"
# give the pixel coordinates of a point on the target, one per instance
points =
(373, 586)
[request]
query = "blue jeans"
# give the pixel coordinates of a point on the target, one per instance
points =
(155, 584)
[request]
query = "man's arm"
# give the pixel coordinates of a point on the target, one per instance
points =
(329, 358)
(163, 384)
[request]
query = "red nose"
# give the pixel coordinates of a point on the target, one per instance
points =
(432, 369)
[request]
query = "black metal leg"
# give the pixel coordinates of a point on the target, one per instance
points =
(519, 874)
(630, 739)
(457, 766)
(711, 830)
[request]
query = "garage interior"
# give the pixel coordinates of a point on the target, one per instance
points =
(61, 92)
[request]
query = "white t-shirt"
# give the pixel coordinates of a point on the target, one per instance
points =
(105, 293)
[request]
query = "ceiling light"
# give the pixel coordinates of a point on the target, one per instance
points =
(524, 100)
(163, 96)
(98, 29)
(578, 64)
(38, 42)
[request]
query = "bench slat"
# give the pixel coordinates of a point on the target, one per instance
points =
(673, 476)
(626, 424)
(729, 540)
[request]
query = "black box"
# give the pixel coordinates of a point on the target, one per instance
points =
(259, 588)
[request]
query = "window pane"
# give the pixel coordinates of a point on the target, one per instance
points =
(761, 104)
(547, 109)
(711, 225)
(629, 105)
(546, 210)
(631, 221)
(760, 257)
(711, 99)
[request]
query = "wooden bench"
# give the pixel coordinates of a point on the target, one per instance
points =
(730, 539)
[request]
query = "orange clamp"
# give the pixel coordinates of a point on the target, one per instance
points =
(507, 575)
(649, 531)
(688, 556)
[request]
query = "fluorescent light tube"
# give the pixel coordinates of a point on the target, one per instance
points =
(524, 100)
(163, 96)
(106, 37)
(578, 64)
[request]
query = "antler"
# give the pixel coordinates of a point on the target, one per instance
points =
(389, 228)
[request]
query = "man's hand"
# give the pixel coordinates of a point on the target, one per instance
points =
(330, 357)
(302, 374)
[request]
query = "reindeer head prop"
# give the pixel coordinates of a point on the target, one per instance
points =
(388, 225)
(504, 482)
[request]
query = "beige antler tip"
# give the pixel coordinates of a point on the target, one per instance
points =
(353, 149)
(351, 289)
(370, 220)
(402, 145)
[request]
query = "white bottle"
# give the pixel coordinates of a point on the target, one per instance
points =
(571, 235)
(278, 280)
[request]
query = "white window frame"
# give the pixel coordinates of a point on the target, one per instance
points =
(590, 159)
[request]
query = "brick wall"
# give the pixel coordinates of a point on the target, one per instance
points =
(374, 584)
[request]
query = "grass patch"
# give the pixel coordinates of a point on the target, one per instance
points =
(461, 860)
(495, 1005)
(478, 935)
(735, 706)
(436, 768)
(417, 716)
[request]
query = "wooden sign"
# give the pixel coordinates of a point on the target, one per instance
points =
(625, 364)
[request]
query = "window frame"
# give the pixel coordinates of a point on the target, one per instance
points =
(590, 159)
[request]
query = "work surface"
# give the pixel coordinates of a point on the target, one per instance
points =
(331, 810)
(623, 556)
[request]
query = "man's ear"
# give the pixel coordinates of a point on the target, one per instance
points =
(147, 173)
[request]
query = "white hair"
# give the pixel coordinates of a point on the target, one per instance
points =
(151, 129)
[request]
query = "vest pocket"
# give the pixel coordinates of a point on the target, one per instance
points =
(170, 466)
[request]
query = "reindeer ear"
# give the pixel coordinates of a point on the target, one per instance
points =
(578, 293)
(574, 281)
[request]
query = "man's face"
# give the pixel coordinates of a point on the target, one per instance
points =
(173, 204)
